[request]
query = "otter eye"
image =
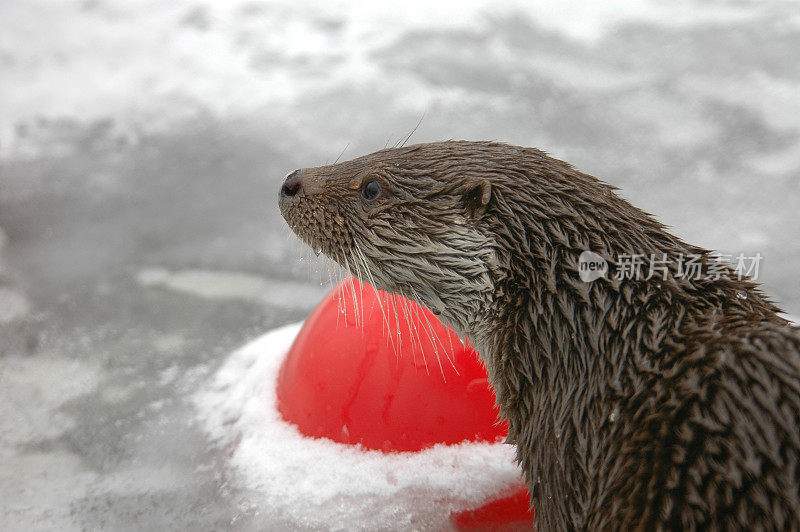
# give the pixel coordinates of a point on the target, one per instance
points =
(370, 190)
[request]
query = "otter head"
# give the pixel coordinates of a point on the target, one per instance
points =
(410, 221)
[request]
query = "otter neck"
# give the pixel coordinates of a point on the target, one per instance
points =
(563, 354)
(547, 333)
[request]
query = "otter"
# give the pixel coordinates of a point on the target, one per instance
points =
(653, 402)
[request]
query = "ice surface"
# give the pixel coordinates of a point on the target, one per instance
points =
(316, 483)
(136, 68)
(233, 285)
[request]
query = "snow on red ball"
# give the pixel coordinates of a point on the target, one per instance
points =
(377, 370)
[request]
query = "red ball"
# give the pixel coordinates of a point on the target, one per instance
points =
(377, 370)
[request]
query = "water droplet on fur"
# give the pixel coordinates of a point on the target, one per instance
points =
(339, 219)
(613, 416)
(317, 251)
(741, 294)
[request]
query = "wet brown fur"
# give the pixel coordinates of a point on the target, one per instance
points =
(634, 404)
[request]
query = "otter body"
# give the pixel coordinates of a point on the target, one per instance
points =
(648, 403)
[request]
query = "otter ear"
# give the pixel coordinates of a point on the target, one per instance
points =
(476, 193)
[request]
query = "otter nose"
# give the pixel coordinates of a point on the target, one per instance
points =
(293, 184)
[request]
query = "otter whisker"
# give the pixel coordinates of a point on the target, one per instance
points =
(335, 272)
(414, 309)
(393, 299)
(431, 338)
(401, 303)
(343, 301)
(378, 296)
(414, 332)
(359, 275)
(408, 137)
(366, 272)
(437, 342)
(351, 284)
(340, 155)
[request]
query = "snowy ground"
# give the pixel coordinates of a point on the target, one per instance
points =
(296, 482)
(142, 144)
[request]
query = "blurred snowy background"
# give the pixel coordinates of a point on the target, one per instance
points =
(142, 145)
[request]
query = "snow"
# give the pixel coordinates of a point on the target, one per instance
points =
(316, 483)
